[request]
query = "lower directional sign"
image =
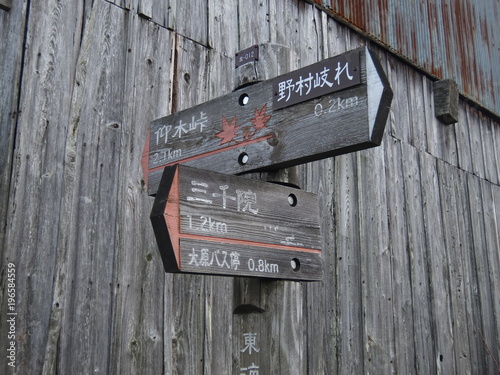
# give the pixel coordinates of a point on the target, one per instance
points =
(335, 106)
(212, 223)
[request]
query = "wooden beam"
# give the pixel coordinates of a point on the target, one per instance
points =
(446, 101)
(6, 4)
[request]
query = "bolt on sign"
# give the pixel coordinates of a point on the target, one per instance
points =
(335, 106)
(212, 223)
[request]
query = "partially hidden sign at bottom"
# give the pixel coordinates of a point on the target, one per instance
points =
(211, 223)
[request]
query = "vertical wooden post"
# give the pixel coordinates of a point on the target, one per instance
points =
(267, 320)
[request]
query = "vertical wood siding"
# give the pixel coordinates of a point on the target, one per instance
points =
(410, 229)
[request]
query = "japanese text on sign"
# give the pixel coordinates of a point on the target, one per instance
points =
(168, 133)
(250, 348)
(218, 257)
(163, 133)
(246, 200)
(205, 258)
(316, 80)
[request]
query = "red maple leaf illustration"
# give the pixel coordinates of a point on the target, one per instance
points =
(260, 118)
(229, 130)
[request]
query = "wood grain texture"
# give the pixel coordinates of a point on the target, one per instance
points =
(124, 4)
(222, 36)
(350, 351)
(252, 23)
(283, 25)
(492, 195)
(410, 229)
(464, 149)
(467, 278)
(440, 299)
(375, 263)
(452, 228)
(399, 76)
(416, 114)
(490, 141)
(415, 245)
(12, 26)
(485, 262)
(478, 162)
(139, 343)
(97, 161)
(320, 297)
(309, 34)
(401, 247)
(189, 19)
(156, 11)
(37, 174)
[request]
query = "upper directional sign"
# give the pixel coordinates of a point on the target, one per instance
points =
(211, 223)
(336, 106)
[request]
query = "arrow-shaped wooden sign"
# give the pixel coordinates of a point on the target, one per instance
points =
(335, 106)
(212, 223)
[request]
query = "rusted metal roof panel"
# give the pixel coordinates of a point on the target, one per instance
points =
(454, 39)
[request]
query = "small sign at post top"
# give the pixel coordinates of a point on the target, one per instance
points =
(212, 223)
(246, 56)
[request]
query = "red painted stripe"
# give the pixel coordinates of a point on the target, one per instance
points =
(214, 152)
(246, 243)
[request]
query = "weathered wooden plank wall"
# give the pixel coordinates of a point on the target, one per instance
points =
(410, 229)
(12, 26)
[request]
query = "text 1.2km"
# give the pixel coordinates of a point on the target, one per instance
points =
(205, 223)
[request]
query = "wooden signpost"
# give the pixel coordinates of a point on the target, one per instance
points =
(216, 223)
(212, 223)
(336, 106)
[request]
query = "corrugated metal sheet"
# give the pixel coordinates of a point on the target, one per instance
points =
(455, 39)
